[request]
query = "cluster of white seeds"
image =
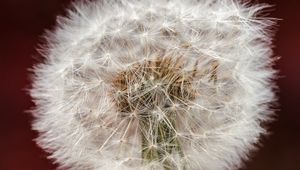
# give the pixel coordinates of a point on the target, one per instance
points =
(148, 84)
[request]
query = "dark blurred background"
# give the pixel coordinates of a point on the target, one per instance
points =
(22, 22)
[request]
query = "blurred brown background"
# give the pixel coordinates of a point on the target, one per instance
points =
(22, 22)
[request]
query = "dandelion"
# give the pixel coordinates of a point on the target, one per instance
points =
(143, 84)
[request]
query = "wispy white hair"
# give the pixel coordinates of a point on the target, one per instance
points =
(76, 113)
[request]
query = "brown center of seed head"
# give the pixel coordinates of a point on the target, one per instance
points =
(153, 91)
(160, 83)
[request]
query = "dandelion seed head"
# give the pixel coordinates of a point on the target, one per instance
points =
(139, 84)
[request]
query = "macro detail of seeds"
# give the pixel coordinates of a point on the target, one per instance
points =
(161, 83)
(151, 92)
(155, 85)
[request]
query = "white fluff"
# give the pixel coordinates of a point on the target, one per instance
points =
(77, 119)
